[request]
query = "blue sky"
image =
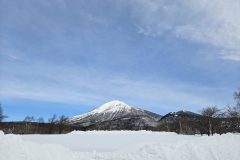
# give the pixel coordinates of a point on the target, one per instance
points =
(68, 57)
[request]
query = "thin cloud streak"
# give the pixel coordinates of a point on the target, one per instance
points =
(79, 86)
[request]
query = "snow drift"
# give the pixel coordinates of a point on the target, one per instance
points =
(119, 145)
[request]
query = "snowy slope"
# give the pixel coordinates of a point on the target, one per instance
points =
(119, 145)
(111, 107)
(116, 115)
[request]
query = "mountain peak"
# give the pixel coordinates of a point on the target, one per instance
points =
(112, 106)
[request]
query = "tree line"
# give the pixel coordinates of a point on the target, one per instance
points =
(211, 120)
(37, 128)
(32, 125)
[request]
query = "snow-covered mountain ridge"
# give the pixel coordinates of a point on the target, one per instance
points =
(116, 114)
(109, 107)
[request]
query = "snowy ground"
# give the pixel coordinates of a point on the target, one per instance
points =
(119, 145)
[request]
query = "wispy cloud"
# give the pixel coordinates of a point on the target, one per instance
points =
(10, 53)
(74, 85)
(213, 22)
(233, 55)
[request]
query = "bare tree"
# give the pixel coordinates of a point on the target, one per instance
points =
(62, 122)
(40, 120)
(63, 119)
(52, 121)
(233, 117)
(2, 117)
(28, 124)
(233, 114)
(1, 114)
(237, 97)
(29, 119)
(209, 113)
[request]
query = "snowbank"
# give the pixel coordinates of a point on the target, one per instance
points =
(167, 146)
(1, 133)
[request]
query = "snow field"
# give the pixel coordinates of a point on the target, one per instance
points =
(119, 145)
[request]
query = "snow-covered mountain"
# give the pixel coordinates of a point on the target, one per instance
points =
(116, 115)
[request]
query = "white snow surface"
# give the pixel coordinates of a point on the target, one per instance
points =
(112, 106)
(119, 145)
